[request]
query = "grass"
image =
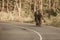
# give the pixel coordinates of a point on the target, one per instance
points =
(54, 21)
(4, 17)
(14, 17)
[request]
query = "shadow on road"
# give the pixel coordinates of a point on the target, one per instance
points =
(28, 25)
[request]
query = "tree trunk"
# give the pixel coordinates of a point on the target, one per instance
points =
(49, 4)
(7, 6)
(19, 9)
(2, 5)
(41, 6)
(18, 5)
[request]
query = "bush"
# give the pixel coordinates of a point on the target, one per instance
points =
(53, 13)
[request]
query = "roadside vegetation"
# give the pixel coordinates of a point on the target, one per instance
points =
(21, 11)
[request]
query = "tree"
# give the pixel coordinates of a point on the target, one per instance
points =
(41, 6)
(2, 5)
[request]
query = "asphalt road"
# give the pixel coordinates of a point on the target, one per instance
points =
(18, 31)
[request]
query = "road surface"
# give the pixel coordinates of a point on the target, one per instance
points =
(19, 31)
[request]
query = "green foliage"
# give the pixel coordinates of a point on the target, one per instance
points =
(32, 7)
(0, 0)
(53, 13)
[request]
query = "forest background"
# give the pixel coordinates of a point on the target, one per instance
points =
(23, 11)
